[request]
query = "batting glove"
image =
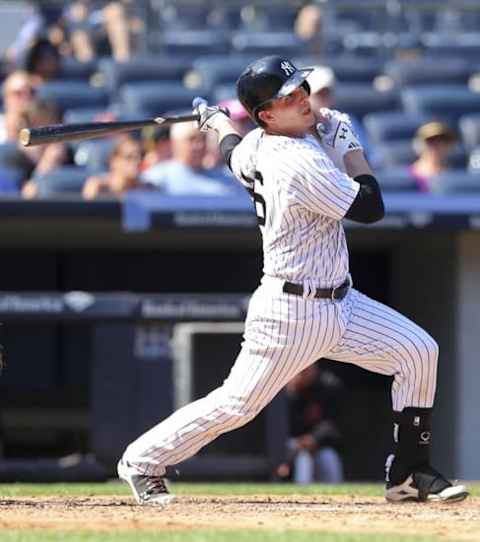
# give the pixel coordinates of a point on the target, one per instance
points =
(211, 116)
(336, 132)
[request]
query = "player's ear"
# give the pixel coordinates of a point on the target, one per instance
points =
(265, 116)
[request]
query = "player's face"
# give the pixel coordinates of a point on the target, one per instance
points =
(291, 115)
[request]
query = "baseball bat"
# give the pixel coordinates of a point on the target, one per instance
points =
(78, 132)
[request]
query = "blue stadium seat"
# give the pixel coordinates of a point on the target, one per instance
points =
(469, 126)
(10, 180)
(396, 179)
(82, 114)
(191, 44)
(286, 44)
(428, 71)
(464, 45)
(457, 180)
(224, 92)
(401, 153)
(347, 68)
(148, 68)
(73, 94)
(61, 181)
(391, 126)
(154, 99)
(73, 70)
(94, 155)
(219, 70)
(359, 99)
(396, 153)
(446, 102)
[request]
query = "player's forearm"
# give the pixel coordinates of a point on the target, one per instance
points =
(228, 138)
(356, 164)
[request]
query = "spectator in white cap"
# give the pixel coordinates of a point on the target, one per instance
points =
(322, 83)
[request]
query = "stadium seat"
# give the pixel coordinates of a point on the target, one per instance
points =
(457, 180)
(83, 114)
(469, 126)
(73, 94)
(396, 153)
(464, 45)
(347, 68)
(155, 98)
(446, 102)
(193, 43)
(61, 181)
(428, 71)
(387, 126)
(94, 155)
(396, 179)
(209, 72)
(10, 180)
(286, 44)
(359, 99)
(151, 68)
(401, 153)
(224, 92)
(73, 70)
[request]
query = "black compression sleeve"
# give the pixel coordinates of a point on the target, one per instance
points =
(227, 145)
(368, 206)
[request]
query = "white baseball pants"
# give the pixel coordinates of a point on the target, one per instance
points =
(284, 334)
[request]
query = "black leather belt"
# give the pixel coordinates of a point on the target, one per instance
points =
(337, 293)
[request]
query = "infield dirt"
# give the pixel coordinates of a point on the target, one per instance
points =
(460, 521)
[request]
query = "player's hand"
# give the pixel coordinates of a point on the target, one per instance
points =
(336, 132)
(211, 116)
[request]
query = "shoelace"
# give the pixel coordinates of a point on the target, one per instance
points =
(155, 485)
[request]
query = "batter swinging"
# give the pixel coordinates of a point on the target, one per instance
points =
(305, 171)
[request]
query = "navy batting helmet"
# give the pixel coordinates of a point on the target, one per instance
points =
(266, 79)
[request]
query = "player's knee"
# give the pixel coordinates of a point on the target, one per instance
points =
(237, 411)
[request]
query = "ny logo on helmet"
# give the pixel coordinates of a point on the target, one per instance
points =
(287, 67)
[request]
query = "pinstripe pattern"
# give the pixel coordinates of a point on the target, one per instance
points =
(304, 197)
(381, 340)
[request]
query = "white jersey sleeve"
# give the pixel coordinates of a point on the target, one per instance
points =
(243, 161)
(309, 174)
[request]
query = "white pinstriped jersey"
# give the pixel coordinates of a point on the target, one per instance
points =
(300, 198)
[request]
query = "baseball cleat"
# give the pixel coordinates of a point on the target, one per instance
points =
(146, 489)
(424, 485)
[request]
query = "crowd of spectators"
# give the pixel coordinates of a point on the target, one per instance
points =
(408, 80)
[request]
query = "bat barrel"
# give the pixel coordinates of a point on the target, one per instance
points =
(79, 132)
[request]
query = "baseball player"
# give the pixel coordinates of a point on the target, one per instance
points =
(305, 171)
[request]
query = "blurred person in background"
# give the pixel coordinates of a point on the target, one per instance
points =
(156, 145)
(42, 62)
(185, 173)
(322, 83)
(41, 159)
(124, 172)
(44, 22)
(432, 143)
(308, 27)
(87, 20)
(18, 94)
(313, 397)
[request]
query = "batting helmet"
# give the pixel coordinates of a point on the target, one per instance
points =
(266, 79)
